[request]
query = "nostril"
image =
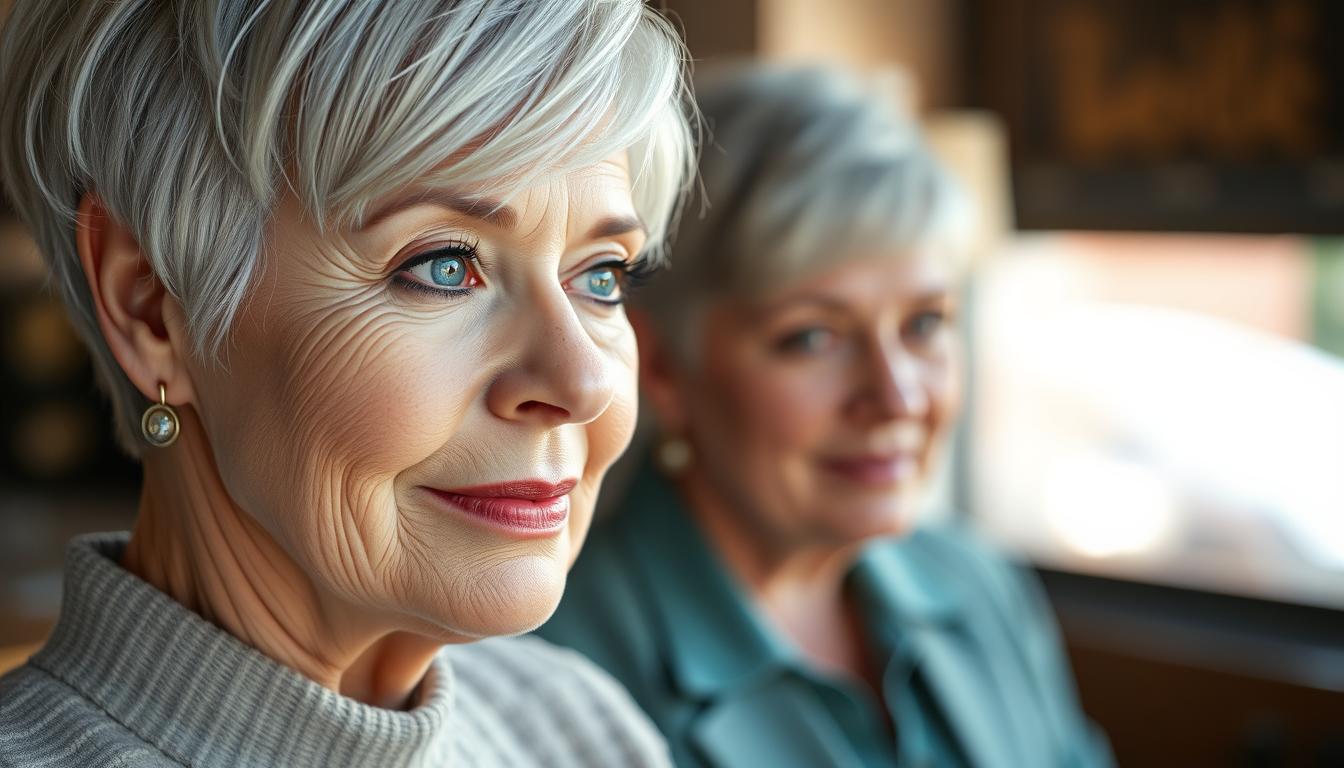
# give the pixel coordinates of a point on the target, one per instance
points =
(538, 408)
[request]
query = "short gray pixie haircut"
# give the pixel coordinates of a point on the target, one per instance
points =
(189, 118)
(803, 167)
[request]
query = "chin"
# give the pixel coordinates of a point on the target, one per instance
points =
(864, 521)
(508, 597)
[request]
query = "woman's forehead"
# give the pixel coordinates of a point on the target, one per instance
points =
(599, 190)
(874, 279)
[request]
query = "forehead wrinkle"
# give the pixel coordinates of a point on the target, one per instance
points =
(543, 216)
(598, 191)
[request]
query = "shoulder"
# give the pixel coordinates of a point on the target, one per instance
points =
(1001, 601)
(957, 545)
(540, 689)
(951, 573)
(981, 575)
(44, 722)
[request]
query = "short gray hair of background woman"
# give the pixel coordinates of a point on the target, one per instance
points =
(803, 167)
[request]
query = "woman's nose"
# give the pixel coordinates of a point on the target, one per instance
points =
(560, 375)
(895, 384)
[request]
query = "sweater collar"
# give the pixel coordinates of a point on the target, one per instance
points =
(205, 698)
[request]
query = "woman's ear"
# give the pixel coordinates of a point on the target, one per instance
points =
(660, 376)
(142, 324)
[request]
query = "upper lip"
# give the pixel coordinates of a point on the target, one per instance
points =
(533, 490)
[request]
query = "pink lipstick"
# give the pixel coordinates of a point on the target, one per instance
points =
(874, 470)
(522, 508)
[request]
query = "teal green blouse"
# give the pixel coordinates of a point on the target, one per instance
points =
(974, 675)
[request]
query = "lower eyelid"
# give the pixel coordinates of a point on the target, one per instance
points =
(614, 302)
(416, 285)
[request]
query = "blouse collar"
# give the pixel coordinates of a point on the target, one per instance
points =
(716, 639)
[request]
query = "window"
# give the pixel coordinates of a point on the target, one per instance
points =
(1164, 408)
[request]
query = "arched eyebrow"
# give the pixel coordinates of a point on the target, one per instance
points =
(493, 212)
(486, 209)
(615, 226)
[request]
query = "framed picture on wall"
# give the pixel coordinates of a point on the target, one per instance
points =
(1186, 115)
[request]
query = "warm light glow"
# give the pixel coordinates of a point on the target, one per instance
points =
(1101, 506)
(1156, 407)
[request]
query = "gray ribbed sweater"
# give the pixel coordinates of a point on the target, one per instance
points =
(132, 678)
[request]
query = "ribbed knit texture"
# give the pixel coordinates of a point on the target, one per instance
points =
(132, 678)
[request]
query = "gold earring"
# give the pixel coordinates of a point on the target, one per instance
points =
(673, 455)
(160, 423)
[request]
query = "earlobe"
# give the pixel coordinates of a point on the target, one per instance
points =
(134, 311)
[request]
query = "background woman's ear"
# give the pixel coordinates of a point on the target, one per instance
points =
(143, 324)
(661, 375)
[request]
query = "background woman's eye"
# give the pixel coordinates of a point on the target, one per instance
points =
(808, 340)
(926, 324)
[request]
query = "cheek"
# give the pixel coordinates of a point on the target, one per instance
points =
(338, 401)
(378, 391)
(943, 383)
(776, 407)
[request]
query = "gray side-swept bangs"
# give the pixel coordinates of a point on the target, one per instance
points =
(188, 118)
(803, 167)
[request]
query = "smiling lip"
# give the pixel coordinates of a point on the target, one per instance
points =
(874, 470)
(523, 508)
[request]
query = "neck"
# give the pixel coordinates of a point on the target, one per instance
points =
(193, 543)
(798, 586)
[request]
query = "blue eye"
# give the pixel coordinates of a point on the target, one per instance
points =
(602, 282)
(448, 271)
(444, 271)
(610, 282)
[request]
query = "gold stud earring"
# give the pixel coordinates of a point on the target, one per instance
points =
(160, 423)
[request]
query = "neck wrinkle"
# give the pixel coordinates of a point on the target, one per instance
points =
(191, 542)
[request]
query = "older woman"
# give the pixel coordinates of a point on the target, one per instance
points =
(352, 273)
(765, 594)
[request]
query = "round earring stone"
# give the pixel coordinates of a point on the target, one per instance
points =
(159, 425)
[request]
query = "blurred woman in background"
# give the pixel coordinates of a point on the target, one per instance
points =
(351, 272)
(764, 591)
